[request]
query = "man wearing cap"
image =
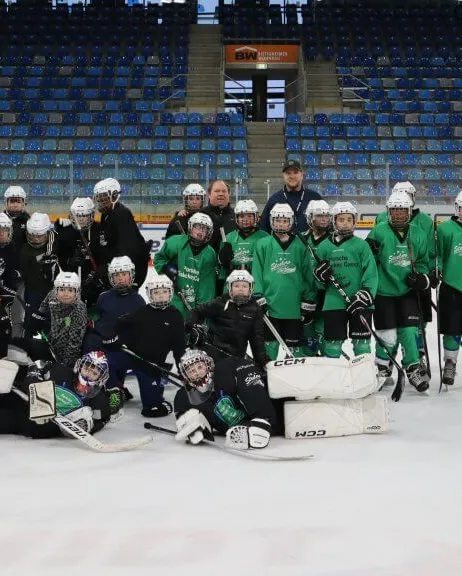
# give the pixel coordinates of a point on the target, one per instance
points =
(294, 194)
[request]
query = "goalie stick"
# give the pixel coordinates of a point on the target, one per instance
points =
(90, 441)
(252, 454)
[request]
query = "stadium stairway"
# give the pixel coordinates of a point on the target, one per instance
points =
(323, 93)
(266, 150)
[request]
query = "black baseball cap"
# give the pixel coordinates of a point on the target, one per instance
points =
(292, 164)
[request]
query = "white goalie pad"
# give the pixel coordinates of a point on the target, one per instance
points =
(330, 378)
(42, 401)
(323, 419)
(8, 371)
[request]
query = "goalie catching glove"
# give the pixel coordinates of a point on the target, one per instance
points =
(193, 426)
(360, 301)
(254, 434)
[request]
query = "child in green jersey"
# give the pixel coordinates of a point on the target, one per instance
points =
(349, 260)
(237, 251)
(396, 315)
(318, 218)
(190, 263)
(283, 273)
(449, 235)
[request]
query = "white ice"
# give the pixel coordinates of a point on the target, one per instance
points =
(385, 505)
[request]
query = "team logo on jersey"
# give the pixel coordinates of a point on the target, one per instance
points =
(253, 380)
(189, 273)
(102, 239)
(189, 293)
(227, 412)
(283, 266)
(401, 260)
(242, 255)
(458, 250)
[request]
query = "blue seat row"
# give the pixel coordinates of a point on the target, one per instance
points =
(377, 159)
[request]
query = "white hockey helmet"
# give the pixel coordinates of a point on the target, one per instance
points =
(246, 207)
(281, 211)
(200, 219)
(120, 264)
(240, 276)
(92, 371)
(106, 194)
(37, 228)
(199, 382)
(458, 205)
(82, 213)
(343, 208)
(159, 284)
(194, 190)
(67, 280)
(399, 200)
(406, 187)
(317, 208)
(15, 192)
(6, 229)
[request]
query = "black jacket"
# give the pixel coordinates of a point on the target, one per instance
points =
(39, 266)
(71, 250)
(119, 235)
(221, 218)
(238, 396)
(178, 225)
(298, 201)
(232, 327)
(19, 231)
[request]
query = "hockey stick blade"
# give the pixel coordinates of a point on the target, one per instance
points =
(399, 388)
(251, 454)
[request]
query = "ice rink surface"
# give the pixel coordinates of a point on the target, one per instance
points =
(385, 505)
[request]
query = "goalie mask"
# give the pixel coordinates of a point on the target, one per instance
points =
(200, 229)
(407, 188)
(194, 197)
(247, 216)
(121, 273)
(37, 228)
(281, 218)
(106, 194)
(159, 291)
(67, 287)
(15, 198)
(240, 285)
(458, 206)
(92, 372)
(399, 208)
(344, 216)
(197, 367)
(6, 229)
(82, 213)
(318, 216)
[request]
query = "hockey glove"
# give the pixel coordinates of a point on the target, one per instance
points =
(42, 401)
(171, 271)
(255, 434)
(417, 281)
(36, 323)
(261, 301)
(323, 272)
(64, 222)
(226, 255)
(360, 301)
(82, 417)
(112, 344)
(307, 312)
(115, 398)
(434, 278)
(193, 426)
(198, 335)
(7, 295)
(76, 262)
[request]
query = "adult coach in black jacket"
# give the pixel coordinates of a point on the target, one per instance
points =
(119, 234)
(220, 211)
(294, 194)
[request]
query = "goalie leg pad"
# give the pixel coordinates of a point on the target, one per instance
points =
(323, 419)
(8, 371)
(193, 426)
(42, 401)
(327, 378)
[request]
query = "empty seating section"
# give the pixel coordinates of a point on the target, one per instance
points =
(403, 61)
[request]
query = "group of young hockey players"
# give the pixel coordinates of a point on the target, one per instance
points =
(71, 312)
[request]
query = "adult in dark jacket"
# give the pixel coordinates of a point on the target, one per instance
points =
(194, 200)
(119, 234)
(235, 321)
(294, 194)
(220, 211)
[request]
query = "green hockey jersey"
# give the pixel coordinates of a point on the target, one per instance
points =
(422, 221)
(391, 251)
(244, 248)
(449, 236)
(282, 275)
(196, 271)
(354, 268)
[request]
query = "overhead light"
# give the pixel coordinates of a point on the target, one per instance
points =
(261, 66)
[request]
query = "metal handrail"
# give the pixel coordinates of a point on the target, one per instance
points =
(242, 102)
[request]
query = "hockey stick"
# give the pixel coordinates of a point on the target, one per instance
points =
(252, 454)
(278, 337)
(419, 306)
(440, 366)
(399, 387)
(85, 243)
(90, 441)
(172, 377)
